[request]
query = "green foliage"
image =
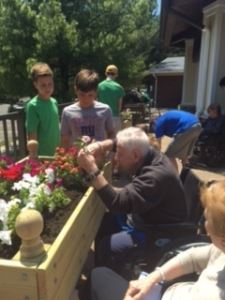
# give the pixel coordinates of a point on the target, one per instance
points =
(4, 187)
(58, 199)
(13, 213)
(70, 35)
(17, 43)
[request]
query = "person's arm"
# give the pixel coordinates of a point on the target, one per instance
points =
(103, 146)
(120, 103)
(109, 127)
(65, 130)
(32, 122)
(159, 140)
(32, 136)
(139, 289)
(192, 260)
(87, 162)
(138, 196)
(65, 141)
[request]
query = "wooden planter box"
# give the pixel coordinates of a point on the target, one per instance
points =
(53, 276)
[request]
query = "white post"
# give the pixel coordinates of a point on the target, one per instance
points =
(212, 55)
(203, 70)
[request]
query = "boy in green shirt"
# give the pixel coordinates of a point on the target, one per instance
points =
(42, 117)
(111, 92)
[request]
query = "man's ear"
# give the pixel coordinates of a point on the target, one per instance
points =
(136, 154)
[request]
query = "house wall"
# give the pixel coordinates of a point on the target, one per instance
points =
(190, 75)
(169, 90)
(212, 59)
(220, 93)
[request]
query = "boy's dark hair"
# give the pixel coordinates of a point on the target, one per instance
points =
(40, 69)
(86, 80)
(222, 82)
(215, 107)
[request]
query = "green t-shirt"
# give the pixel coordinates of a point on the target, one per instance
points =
(110, 92)
(42, 118)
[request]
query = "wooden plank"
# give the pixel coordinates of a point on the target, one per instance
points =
(73, 271)
(17, 281)
(69, 250)
(14, 140)
(6, 138)
(21, 134)
(16, 292)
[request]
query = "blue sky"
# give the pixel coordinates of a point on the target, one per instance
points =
(159, 5)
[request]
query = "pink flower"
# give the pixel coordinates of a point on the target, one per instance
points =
(86, 139)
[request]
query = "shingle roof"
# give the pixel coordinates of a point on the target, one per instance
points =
(170, 65)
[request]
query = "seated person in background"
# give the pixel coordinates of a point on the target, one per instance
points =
(207, 260)
(214, 121)
(86, 116)
(154, 196)
(184, 128)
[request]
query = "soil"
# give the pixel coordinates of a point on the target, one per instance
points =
(53, 223)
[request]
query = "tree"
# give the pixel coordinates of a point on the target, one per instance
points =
(56, 42)
(16, 44)
(70, 35)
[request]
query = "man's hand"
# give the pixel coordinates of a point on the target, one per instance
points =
(87, 161)
(94, 148)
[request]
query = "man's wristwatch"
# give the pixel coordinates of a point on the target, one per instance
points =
(91, 176)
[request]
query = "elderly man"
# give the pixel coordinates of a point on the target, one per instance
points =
(154, 196)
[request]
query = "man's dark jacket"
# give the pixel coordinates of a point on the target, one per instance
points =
(155, 195)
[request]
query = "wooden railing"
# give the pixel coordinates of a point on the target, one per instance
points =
(13, 133)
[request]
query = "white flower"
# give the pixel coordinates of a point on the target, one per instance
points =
(50, 176)
(86, 139)
(34, 180)
(27, 177)
(29, 205)
(3, 211)
(17, 186)
(51, 207)
(33, 191)
(45, 189)
(13, 202)
(27, 182)
(5, 237)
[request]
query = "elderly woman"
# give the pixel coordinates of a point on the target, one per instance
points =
(208, 260)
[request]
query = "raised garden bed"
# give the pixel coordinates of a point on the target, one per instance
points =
(52, 276)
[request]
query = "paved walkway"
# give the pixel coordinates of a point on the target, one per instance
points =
(206, 174)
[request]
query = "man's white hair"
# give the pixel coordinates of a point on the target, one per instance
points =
(133, 138)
